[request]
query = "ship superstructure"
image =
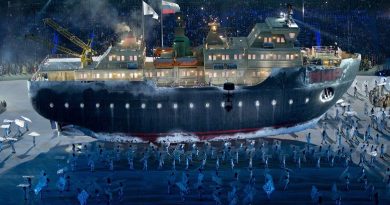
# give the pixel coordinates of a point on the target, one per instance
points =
(228, 85)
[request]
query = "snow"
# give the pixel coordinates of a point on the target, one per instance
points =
(268, 132)
(63, 60)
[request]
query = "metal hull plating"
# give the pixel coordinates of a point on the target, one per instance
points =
(141, 109)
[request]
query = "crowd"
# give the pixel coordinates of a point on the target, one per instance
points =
(188, 170)
(357, 28)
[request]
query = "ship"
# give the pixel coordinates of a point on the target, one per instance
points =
(228, 87)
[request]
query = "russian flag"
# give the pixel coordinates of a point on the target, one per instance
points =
(169, 7)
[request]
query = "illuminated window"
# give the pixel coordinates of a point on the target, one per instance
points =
(279, 57)
(254, 56)
(162, 74)
(291, 35)
(282, 40)
(227, 57)
(274, 56)
(123, 75)
(240, 56)
(292, 57)
(123, 58)
(249, 57)
(110, 58)
(135, 58)
(268, 40)
(253, 74)
(214, 57)
(215, 74)
(118, 58)
(223, 57)
(97, 75)
(278, 39)
(287, 57)
(262, 56)
(131, 58)
(110, 75)
(158, 74)
(235, 56)
(131, 75)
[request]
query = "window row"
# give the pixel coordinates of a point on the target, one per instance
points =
(274, 39)
(109, 75)
(122, 58)
(182, 73)
(224, 74)
(255, 57)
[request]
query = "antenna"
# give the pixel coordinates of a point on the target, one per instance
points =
(289, 19)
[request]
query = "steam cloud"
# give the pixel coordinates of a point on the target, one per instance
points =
(122, 27)
(82, 14)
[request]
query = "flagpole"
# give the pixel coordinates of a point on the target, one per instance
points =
(143, 21)
(143, 36)
(162, 27)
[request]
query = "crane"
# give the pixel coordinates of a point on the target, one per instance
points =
(51, 45)
(86, 55)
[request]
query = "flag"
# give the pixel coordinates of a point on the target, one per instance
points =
(148, 10)
(169, 7)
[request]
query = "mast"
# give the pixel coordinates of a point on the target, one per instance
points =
(162, 26)
(303, 10)
(143, 42)
(143, 21)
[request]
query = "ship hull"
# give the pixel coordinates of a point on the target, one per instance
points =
(141, 109)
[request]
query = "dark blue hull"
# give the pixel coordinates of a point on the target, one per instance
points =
(142, 109)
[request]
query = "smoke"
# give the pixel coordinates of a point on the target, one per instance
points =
(122, 28)
(82, 13)
(108, 20)
(88, 13)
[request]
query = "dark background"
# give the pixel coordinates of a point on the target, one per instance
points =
(356, 25)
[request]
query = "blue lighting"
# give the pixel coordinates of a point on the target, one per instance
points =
(55, 42)
(318, 37)
(92, 36)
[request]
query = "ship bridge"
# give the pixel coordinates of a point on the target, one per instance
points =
(249, 60)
